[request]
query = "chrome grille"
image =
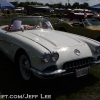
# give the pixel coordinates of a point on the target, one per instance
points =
(77, 64)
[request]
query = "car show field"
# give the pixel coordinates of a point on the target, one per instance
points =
(64, 88)
(51, 48)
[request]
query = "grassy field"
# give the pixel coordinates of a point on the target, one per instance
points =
(5, 20)
(61, 88)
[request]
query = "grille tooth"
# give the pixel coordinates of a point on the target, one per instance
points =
(85, 62)
(77, 64)
(69, 65)
(73, 64)
(88, 61)
(82, 63)
(66, 66)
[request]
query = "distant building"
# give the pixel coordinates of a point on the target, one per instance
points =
(59, 11)
(31, 9)
(19, 10)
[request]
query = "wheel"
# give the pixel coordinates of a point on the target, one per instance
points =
(24, 66)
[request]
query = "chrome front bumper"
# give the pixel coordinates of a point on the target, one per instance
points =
(48, 74)
(59, 72)
(96, 62)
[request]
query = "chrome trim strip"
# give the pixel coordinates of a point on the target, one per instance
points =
(96, 62)
(68, 73)
(59, 71)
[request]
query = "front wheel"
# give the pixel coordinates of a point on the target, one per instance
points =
(24, 66)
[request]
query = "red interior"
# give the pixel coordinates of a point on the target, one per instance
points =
(25, 27)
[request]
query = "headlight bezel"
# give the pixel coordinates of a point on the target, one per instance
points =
(46, 57)
(98, 49)
(52, 56)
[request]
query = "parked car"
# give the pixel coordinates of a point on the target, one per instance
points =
(38, 49)
(89, 27)
(79, 13)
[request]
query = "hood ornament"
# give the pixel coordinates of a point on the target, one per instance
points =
(77, 52)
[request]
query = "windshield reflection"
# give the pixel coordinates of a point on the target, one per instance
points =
(30, 23)
(91, 22)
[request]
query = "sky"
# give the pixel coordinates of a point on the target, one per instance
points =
(90, 2)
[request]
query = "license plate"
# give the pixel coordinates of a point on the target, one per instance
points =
(82, 72)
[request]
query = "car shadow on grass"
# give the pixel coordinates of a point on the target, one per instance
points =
(11, 82)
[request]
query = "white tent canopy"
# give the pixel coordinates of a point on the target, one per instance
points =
(5, 4)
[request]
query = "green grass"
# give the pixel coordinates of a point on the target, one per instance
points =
(5, 20)
(62, 88)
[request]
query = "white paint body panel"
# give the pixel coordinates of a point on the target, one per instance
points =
(38, 41)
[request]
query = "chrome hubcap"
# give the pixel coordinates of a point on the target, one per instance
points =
(24, 67)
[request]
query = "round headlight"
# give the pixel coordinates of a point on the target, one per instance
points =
(46, 58)
(55, 56)
(98, 50)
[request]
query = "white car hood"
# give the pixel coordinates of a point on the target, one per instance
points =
(51, 38)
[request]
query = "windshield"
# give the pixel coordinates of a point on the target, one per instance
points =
(91, 22)
(30, 23)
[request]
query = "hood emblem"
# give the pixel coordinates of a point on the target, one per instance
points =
(77, 52)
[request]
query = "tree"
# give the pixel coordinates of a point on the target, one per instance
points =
(81, 6)
(86, 5)
(47, 4)
(33, 3)
(66, 6)
(21, 4)
(75, 5)
(69, 5)
(15, 3)
(59, 5)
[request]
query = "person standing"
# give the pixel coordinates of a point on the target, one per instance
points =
(85, 15)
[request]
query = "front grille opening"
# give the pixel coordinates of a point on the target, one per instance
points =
(71, 66)
(50, 69)
(98, 58)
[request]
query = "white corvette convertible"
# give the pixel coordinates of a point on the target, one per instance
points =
(38, 49)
